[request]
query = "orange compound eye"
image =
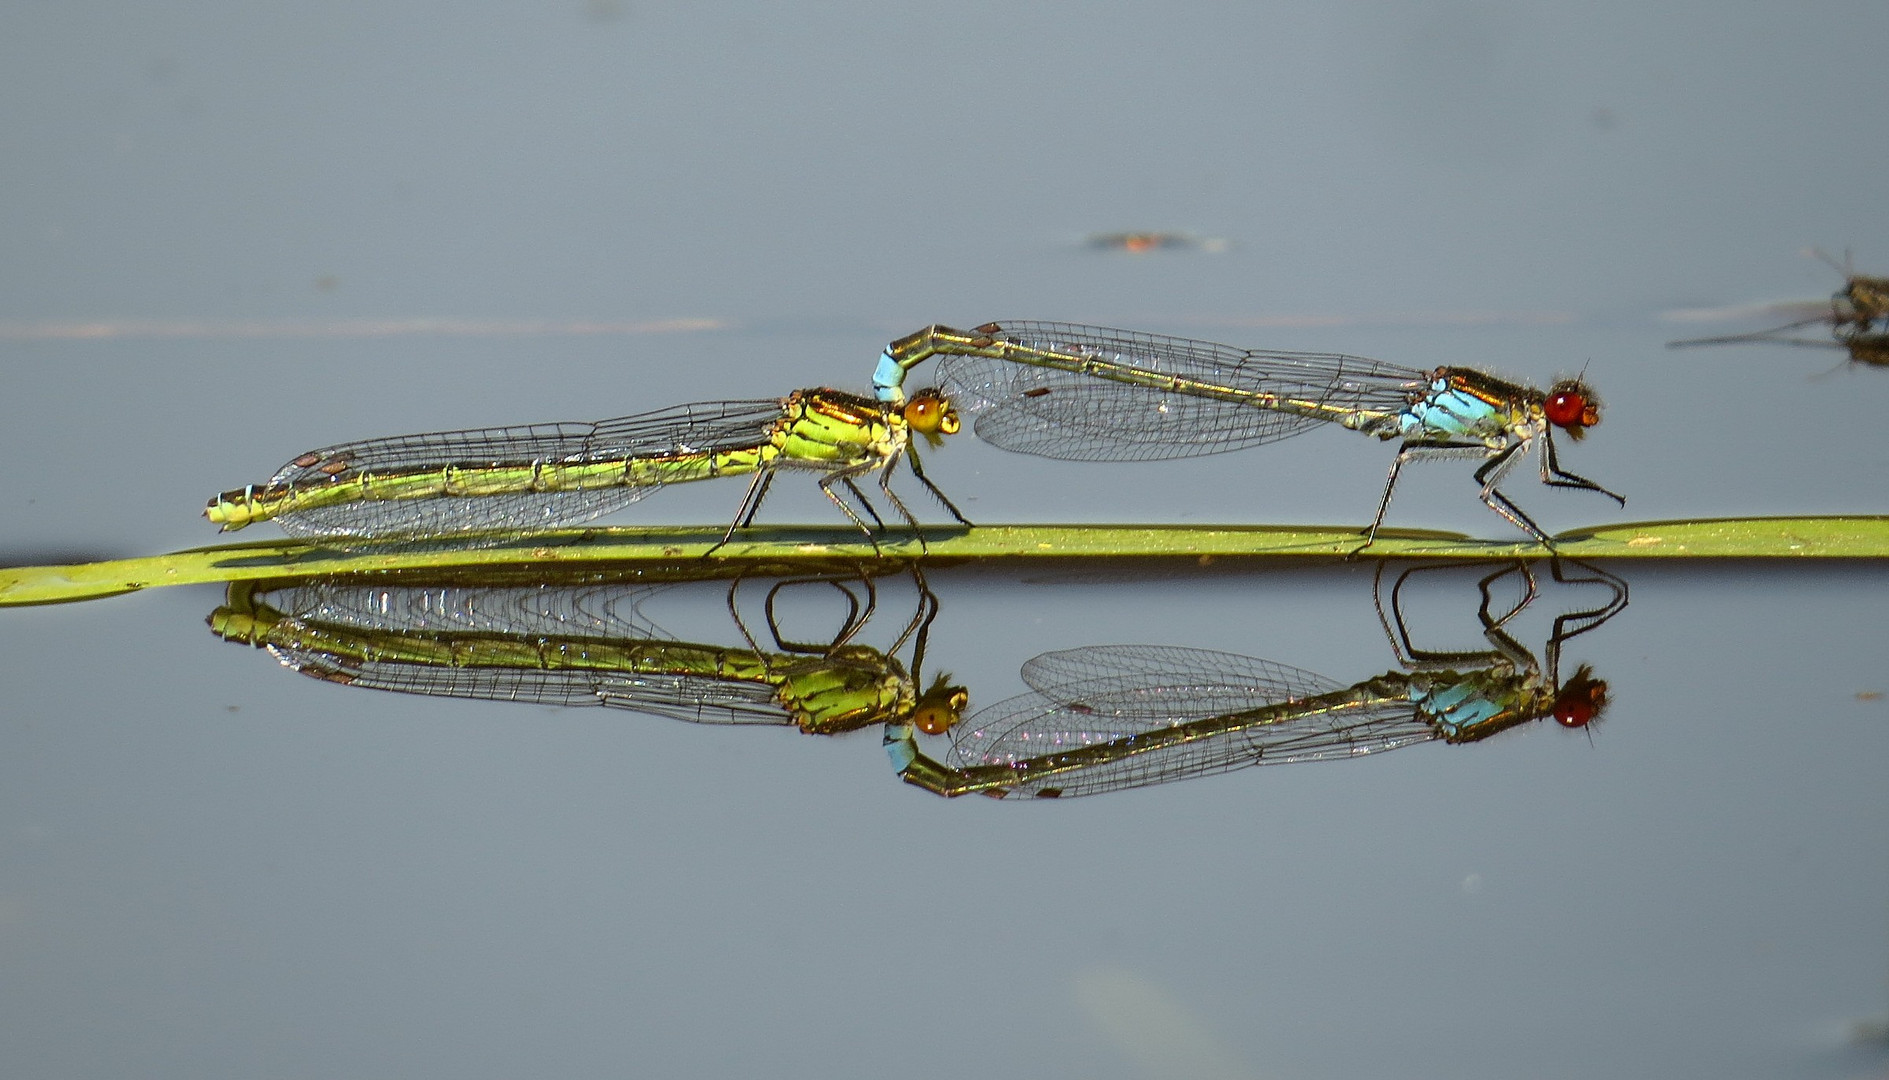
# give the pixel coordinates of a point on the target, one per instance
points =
(929, 413)
(940, 709)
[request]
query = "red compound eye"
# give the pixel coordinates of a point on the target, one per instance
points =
(1566, 409)
(1572, 712)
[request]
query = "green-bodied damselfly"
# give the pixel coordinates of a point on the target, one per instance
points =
(509, 481)
(1092, 394)
(590, 643)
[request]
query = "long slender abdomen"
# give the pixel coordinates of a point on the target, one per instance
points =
(244, 506)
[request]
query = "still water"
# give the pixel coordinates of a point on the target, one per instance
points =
(231, 235)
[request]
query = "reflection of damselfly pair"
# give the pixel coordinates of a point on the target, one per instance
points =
(1051, 389)
(1099, 718)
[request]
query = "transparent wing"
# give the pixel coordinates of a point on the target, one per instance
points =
(602, 612)
(1111, 413)
(710, 426)
(1120, 704)
(1219, 682)
(681, 697)
(395, 519)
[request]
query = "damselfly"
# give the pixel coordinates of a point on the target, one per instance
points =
(1109, 717)
(1858, 318)
(519, 480)
(1086, 393)
(591, 644)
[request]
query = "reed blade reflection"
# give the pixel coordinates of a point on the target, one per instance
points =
(1106, 718)
(1088, 393)
(513, 481)
(591, 644)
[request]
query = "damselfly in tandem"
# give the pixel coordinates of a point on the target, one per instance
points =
(511, 481)
(1109, 717)
(591, 643)
(1088, 393)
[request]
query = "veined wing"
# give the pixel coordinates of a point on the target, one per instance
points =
(600, 612)
(702, 427)
(1118, 709)
(1214, 678)
(1144, 397)
(692, 698)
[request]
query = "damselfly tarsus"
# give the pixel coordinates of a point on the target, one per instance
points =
(1088, 393)
(512, 481)
(1110, 717)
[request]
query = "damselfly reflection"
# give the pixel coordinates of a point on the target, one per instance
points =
(1110, 717)
(1087, 393)
(515, 481)
(592, 644)
(1857, 315)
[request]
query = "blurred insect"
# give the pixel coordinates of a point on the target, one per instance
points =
(1140, 243)
(1857, 315)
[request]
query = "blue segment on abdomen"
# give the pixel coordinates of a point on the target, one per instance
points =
(888, 379)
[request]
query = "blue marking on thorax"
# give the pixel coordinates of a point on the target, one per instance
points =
(1449, 413)
(888, 379)
(1457, 707)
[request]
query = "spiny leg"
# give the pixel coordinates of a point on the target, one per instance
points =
(846, 476)
(1409, 451)
(750, 505)
(851, 626)
(920, 623)
(1553, 475)
(885, 485)
(911, 455)
(1397, 628)
(1530, 589)
(866, 503)
(1591, 617)
(1490, 474)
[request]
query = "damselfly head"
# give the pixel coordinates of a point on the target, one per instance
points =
(941, 707)
(1572, 407)
(1580, 700)
(929, 413)
(1861, 301)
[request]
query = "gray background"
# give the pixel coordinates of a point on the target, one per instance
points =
(229, 233)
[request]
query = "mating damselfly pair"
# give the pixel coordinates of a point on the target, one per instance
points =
(1055, 390)
(1095, 718)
